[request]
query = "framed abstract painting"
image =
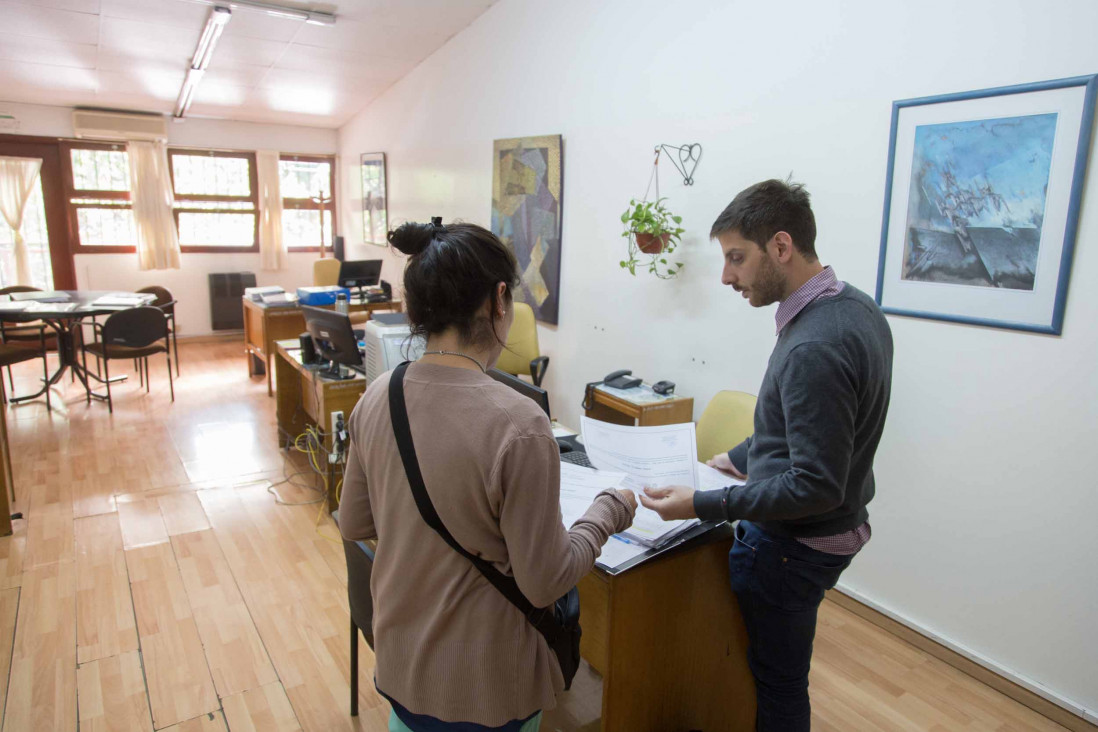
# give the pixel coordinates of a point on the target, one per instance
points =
(375, 214)
(526, 215)
(982, 204)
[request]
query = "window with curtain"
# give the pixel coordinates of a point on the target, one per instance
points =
(37, 241)
(303, 180)
(216, 199)
(98, 197)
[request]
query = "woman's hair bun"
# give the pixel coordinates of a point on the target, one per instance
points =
(412, 238)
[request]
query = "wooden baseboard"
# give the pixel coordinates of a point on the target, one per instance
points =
(984, 675)
(229, 335)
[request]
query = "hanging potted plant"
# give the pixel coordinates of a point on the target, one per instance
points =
(654, 231)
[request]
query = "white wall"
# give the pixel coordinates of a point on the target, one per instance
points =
(984, 521)
(188, 284)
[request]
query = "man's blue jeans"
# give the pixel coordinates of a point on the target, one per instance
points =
(779, 584)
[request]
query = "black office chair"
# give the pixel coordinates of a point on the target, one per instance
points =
(166, 303)
(30, 332)
(130, 334)
(13, 353)
(360, 564)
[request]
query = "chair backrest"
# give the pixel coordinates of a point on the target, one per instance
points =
(163, 296)
(135, 327)
(728, 420)
(19, 288)
(326, 272)
(522, 342)
(360, 565)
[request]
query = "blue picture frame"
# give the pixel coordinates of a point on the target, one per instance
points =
(982, 202)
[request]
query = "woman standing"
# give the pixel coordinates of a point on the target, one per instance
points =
(452, 652)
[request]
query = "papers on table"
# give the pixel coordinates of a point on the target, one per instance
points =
(13, 306)
(120, 300)
(642, 394)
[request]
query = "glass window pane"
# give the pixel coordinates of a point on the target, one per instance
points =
(304, 179)
(300, 228)
(106, 227)
(100, 170)
(217, 229)
(211, 176)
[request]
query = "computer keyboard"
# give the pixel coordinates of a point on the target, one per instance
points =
(576, 457)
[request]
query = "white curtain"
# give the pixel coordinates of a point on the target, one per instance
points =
(272, 249)
(151, 189)
(17, 179)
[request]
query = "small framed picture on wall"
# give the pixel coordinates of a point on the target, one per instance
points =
(982, 204)
(375, 217)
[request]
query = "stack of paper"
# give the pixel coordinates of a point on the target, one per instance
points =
(122, 300)
(650, 457)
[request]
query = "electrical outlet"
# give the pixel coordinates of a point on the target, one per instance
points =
(337, 417)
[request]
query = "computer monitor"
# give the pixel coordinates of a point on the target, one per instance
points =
(334, 338)
(527, 389)
(360, 273)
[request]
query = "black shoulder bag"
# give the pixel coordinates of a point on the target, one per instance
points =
(559, 623)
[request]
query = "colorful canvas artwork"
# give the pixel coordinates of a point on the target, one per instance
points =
(526, 215)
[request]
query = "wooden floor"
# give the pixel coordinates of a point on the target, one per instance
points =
(154, 583)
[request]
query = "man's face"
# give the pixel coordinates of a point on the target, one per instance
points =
(751, 270)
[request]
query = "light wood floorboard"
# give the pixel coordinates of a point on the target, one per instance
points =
(176, 668)
(112, 693)
(266, 709)
(233, 594)
(9, 607)
(238, 661)
(42, 684)
(105, 624)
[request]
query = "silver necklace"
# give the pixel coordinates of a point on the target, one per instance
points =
(455, 353)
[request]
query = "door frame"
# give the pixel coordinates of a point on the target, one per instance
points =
(48, 150)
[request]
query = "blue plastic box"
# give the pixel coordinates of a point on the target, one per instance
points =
(317, 296)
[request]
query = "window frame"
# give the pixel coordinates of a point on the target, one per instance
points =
(307, 204)
(253, 182)
(72, 216)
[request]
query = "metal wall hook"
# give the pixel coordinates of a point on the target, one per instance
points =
(683, 157)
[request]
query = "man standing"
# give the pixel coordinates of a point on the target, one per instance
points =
(809, 465)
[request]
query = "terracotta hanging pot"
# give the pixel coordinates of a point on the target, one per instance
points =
(652, 244)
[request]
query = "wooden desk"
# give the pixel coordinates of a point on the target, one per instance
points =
(265, 325)
(305, 399)
(669, 641)
(613, 409)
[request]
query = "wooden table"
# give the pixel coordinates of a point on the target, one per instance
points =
(669, 641)
(307, 399)
(264, 325)
(611, 408)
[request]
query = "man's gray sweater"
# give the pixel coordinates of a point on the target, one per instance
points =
(819, 418)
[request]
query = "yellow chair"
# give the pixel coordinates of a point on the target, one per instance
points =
(728, 420)
(326, 272)
(522, 356)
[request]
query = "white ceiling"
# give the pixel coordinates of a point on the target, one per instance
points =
(133, 54)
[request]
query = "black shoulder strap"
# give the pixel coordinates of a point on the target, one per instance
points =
(399, 414)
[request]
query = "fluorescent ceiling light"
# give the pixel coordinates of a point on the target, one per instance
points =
(313, 17)
(203, 52)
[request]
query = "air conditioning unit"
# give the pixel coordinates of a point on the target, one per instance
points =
(95, 124)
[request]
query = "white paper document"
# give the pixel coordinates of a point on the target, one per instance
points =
(116, 299)
(578, 488)
(649, 456)
(711, 479)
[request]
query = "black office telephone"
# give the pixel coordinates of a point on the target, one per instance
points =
(620, 379)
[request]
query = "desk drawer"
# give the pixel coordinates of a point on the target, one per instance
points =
(594, 591)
